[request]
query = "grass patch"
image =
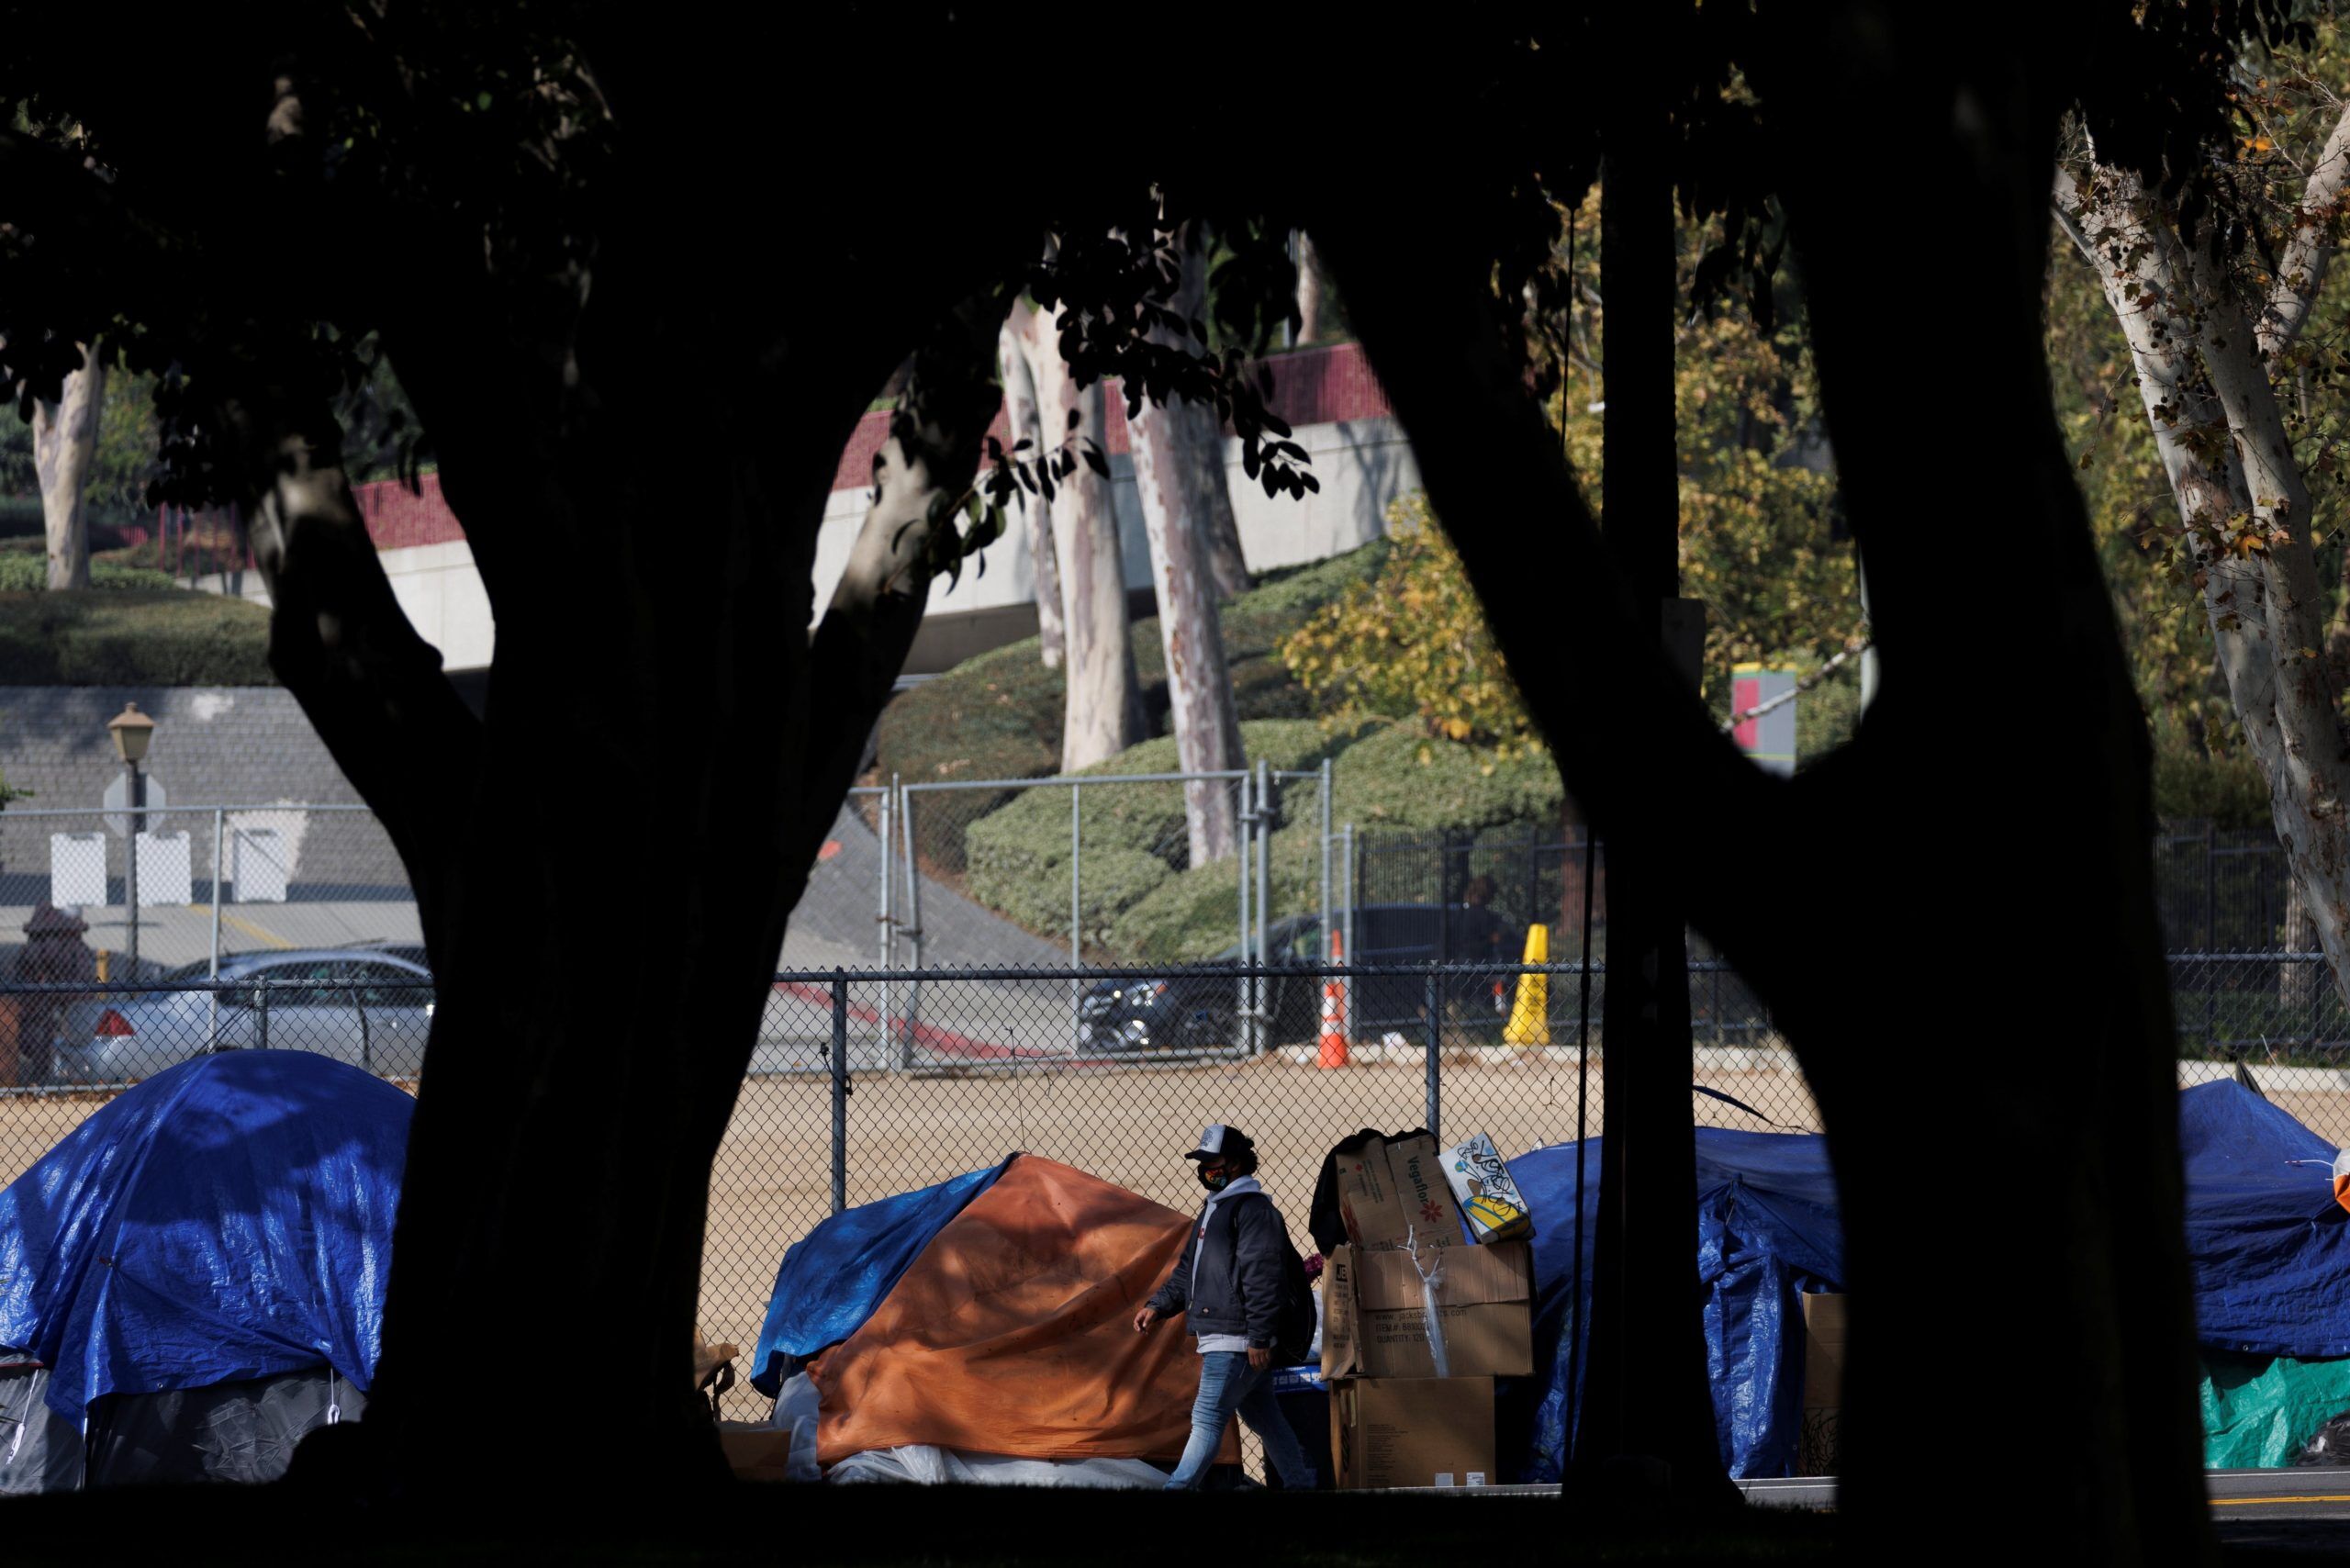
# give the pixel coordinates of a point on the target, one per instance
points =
(132, 636)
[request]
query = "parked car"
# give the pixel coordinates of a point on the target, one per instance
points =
(371, 1009)
(1194, 1010)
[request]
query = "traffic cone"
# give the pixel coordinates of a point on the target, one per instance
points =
(1334, 1011)
(1529, 1021)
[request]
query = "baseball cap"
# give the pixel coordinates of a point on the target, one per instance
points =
(1220, 1139)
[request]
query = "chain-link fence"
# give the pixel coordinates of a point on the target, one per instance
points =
(208, 881)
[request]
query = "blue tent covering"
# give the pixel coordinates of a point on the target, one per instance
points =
(229, 1218)
(1766, 1231)
(2270, 1247)
(832, 1279)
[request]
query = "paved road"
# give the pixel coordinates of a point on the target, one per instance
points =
(2285, 1510)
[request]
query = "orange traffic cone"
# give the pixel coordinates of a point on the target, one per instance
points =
(1334, 1012)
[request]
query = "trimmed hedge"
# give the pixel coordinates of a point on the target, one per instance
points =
(999, 715)
(27, 571)
(132, 637)
(1379, 783)
(1017, 857)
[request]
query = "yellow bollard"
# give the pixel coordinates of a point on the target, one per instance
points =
(1529, 1019)
(103, 955)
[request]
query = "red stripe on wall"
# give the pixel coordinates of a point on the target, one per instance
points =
(1312, 387)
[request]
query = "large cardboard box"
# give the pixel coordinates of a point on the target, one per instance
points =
(755, 1452)
(1391, 1191)
(1412, 1432)
(1818, 1439)
(1374, 1316)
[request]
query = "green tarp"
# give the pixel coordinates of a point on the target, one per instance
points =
(2259, 1410)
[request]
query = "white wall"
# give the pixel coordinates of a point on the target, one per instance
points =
(1363, 465)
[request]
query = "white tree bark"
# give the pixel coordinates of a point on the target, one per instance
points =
(2246, 510)
(65, 441)
(1020, 343)
(1309, 291)
(1176, 474)
(1102, 714)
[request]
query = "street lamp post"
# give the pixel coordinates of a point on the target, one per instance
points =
(132, 730)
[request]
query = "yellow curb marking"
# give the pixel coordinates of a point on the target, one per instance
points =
(258, 934)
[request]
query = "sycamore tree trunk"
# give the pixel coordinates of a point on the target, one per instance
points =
(1102, 714)
(2073, 1173)
(2204, 361)
(1309, 292)
(65, 441)
(1172, 471)
(1023, 339)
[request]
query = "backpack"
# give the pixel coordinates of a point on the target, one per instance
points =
(1293, 1337)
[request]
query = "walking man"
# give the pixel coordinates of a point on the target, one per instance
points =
(1244, 1289)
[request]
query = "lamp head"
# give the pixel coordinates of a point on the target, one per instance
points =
(132, 730)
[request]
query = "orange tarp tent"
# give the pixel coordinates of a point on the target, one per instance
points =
(1014, 1333)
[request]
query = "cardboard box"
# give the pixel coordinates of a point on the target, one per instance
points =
(1389, 1191)
(1487, 1195)
(1818, 1439)
(1374, 1319)
(755, 1452)
(1412, 1432)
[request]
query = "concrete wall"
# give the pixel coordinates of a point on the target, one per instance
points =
(1363, 465)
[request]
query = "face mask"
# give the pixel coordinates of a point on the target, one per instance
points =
(1214, 1181)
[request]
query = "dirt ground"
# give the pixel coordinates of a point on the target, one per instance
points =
(773, 1180)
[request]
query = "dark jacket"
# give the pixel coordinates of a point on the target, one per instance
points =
(1237, 1247)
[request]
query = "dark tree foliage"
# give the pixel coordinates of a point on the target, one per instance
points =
(638, 276)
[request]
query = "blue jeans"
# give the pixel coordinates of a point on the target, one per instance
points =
(1228, 1383)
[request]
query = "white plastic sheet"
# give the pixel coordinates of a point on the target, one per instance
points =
(925, 1465)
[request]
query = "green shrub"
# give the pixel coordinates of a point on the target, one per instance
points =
(1115, 879)
(27, 571)
(1020, 852)
(2227, 788)
(132, 637)
(999, 715)
(1400, 779)
(1195, 914)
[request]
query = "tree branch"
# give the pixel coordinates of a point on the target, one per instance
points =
(2300, 271)
(338, 638)
(923, 471)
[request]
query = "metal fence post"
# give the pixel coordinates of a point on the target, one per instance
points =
(1259, 1026)
(1076, 916)
(913, 916)
(1354, 954)
(888, 919)
(840, 1090)
(2211, 923)
(1324, 929)
(1435, 1067)
(1247, 837)
(261, 1024)
(220, 819)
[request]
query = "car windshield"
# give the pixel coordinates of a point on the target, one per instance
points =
(1283, 938)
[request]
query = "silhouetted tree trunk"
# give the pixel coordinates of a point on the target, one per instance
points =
(2108, 1343)
(1103, 712)
(1022, 339)
(1172, 475)
(1645, 1386)
(66, 439)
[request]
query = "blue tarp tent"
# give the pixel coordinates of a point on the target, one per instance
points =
(231, 1218)
(2268, 1247)
(832, 1280)
(1766, 1231)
